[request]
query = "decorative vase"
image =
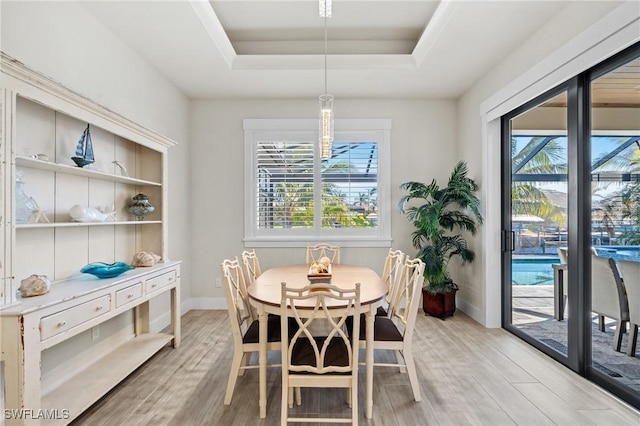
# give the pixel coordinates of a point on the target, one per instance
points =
(25, 207)
(106, 270)
(141, 206)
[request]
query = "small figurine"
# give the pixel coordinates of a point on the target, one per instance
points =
(123, 169)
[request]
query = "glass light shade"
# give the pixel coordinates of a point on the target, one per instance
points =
(325, 8)
(326, 125)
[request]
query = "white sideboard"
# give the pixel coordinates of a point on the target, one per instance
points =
(70, 308)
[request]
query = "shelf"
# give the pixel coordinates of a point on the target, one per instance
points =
(79, 171)
(107, 371)
(77, 224)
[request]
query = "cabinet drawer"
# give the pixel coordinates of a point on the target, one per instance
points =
(69, 318)
(128, 294)
(156, 283)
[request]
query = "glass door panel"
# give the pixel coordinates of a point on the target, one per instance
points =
(615, 221)
(538, 214)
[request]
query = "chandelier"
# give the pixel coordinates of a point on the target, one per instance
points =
(326, 100)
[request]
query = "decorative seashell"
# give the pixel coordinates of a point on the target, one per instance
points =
(145, 258)
(80, 213)
(325, 261)
(34, 285)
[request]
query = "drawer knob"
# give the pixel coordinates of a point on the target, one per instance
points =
(130, 295)
(99, 308)
(62, 323)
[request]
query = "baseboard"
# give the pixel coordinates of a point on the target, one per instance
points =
(208, 303)
(475, 313)
(161, 322)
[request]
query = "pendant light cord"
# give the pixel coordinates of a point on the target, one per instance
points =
(325, 51)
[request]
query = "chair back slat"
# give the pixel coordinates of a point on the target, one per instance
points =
(318, 251)
(391, 275)
(235, 290)
(251, 265)
(405, 305)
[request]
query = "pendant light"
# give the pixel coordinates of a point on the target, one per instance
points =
(326, 100)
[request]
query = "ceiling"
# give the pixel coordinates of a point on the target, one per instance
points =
(275, 49)
(617, 88)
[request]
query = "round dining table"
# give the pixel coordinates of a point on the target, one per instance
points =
(265, 294)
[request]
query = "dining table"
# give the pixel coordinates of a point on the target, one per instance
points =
(265, 295)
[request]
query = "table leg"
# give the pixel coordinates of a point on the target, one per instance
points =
(369, 318)
(262, 360)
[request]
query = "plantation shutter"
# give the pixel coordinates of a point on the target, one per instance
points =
(285, 184)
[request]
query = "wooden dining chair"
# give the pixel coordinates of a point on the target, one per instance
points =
(318, 251)
(251, 265)
(244, 326)
(630, 276)
(329, 361)
(391, 275)
(395, 333)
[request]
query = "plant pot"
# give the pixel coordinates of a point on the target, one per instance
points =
(440, 305)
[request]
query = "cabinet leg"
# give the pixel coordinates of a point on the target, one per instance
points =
(175, 316)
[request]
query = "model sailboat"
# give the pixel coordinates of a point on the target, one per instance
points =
(84, 149)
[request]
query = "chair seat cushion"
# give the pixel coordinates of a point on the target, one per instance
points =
(337, 353)
(384, 330)
(273, 330)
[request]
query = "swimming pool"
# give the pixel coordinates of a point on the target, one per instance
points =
(538, 271)
(620, 252)
(532, 271)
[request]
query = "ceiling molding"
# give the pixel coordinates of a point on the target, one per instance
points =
(214, 28)
(234, 61)
(311, 62)
(433, 30)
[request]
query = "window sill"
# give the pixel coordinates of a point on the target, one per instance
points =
(304, 241)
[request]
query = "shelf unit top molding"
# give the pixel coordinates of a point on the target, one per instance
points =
(72, 103)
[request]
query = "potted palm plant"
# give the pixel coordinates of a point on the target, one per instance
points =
(440, 214)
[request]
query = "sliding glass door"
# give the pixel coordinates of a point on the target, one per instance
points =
(571, 210)
(536, 220)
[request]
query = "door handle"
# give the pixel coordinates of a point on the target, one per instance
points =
(508, 240)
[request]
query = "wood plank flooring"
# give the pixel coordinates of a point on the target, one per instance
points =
(469, 375)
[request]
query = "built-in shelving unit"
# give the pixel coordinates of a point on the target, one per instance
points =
(49, 357)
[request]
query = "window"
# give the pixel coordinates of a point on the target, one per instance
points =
(293, 197)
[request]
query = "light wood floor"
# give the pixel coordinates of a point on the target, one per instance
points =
(469, 375)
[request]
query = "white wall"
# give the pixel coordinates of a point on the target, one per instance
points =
(63, 41)
(525, 73)
(423, 146)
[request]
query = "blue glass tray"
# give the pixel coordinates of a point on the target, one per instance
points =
(106, 270)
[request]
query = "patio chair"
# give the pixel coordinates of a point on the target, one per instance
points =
(563, 254)
(329, 361)
(630, 274)
(608, 296)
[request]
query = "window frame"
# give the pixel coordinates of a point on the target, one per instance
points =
(347, 130)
